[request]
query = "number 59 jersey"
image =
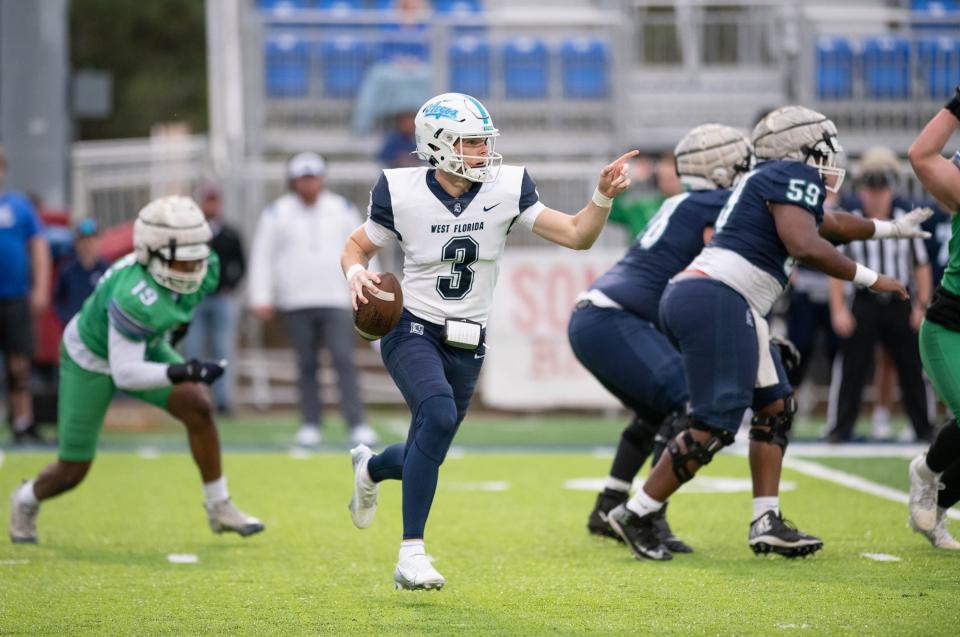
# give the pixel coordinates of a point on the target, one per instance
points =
(451, 245)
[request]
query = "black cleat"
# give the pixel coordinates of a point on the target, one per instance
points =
(29, 436)
(671, 541)
(770, 533)
(597, 522)
(639, 533)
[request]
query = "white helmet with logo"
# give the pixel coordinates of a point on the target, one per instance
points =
(446, 119)
(801, 134)
(173, 229)
(712, 156)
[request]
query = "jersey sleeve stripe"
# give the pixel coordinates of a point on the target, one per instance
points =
(528, 192)
(380, 210)
(126, 325)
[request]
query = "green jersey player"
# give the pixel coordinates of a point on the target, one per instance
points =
(119, 340)
(935, 475)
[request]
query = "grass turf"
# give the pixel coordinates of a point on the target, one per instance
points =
(517, 561)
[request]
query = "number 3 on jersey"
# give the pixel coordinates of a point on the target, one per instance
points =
(462, 252)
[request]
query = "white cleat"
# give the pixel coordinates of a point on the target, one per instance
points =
(23, 520)
(363, 504)
(309, 436)
(416, 573)
(939, 537)
(923, 497)
(225, 517)
(363, 434)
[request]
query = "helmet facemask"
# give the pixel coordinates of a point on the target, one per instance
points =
(456, 163)
(824, 156)
(184, 278)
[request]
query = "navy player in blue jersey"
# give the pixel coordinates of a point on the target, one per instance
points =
(714, 312)
(614, 325)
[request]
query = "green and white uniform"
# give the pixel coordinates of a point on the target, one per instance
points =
(940, 332)
(143, 312)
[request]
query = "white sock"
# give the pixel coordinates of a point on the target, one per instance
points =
(881, 415)
(616, 484)
(25, 494)
(642, 504)
(215, 491)
(762, 505)
(411, 547)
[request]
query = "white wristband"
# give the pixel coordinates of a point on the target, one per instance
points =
(864, 276)
(353, 269)
(883, 229)
(601, 200)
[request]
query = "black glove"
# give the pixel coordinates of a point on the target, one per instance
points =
(194, 371)
(954, 104)
(789, 354)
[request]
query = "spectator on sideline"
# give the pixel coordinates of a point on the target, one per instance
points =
(880, 318)
(24, 295)
(295, 268)
(80, 273)
(213, 331)
(399, 143)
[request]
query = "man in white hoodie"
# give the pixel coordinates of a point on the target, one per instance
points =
(295, 270)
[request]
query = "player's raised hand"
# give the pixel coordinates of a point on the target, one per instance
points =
(885, 283)
(908, 226)
(363, 280)
(614, 178)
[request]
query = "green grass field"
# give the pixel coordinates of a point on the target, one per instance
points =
(517, 561)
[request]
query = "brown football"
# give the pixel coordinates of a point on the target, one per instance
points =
(374, 319)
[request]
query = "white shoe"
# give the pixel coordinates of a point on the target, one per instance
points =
(923, 497)
(224, 516)
(363, 434)
(882, 430)
(309, 436)
(416, 573)
(23, 520)
(939, 537)
(363, 504)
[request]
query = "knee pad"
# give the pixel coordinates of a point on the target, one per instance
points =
(437, 426)
(775, 430)
(700, 452)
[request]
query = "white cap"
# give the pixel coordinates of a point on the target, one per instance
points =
(303, 164)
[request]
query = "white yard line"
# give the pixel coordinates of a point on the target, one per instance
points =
(851, 450)
(852, 481)
(1, 458)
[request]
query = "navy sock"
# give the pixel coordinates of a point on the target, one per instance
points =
(420, 474)
(387, 465)
(945, 449)
(636, 443)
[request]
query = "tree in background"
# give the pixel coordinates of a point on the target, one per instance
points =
(156, 52)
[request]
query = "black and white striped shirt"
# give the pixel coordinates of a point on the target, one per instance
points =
(896, 258)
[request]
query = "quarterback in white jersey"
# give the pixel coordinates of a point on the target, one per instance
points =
(451, 220)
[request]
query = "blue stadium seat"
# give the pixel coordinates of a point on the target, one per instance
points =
(404, 40)
(283, 7)
(935, 7)
(286, 66)
(457, 6)
(339, 5)
(585, 65)
(886, 67)
(526, 69)
(939, 61)
(470, 67)
(834, 68)
(343, 61)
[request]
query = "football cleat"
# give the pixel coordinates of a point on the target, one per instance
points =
(416, 573)
(671, 541)
(923, 497)
(363, 434)
(771, 533)
(23, 520)
(639, 533)
(309, 436)
(939, 537)
(363, 504)
(225, 517)
(597, 523)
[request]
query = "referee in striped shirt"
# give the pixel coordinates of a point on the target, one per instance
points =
(866, 318)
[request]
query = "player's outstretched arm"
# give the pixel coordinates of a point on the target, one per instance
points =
(798, 231)
(939, 175)
(356, 256)
(581, 230)
(841, 227)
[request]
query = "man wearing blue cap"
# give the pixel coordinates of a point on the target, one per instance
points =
(80, 273)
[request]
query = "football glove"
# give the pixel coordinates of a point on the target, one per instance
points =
(906, 227)
(194, 371)
(789, 354)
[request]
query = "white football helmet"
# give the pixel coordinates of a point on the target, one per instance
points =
(801, 134)
(173, 229)
(712, 156)
(448, 118)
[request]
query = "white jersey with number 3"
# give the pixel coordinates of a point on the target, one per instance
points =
(451, 245)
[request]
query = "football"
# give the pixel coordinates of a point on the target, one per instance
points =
(374, 319)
